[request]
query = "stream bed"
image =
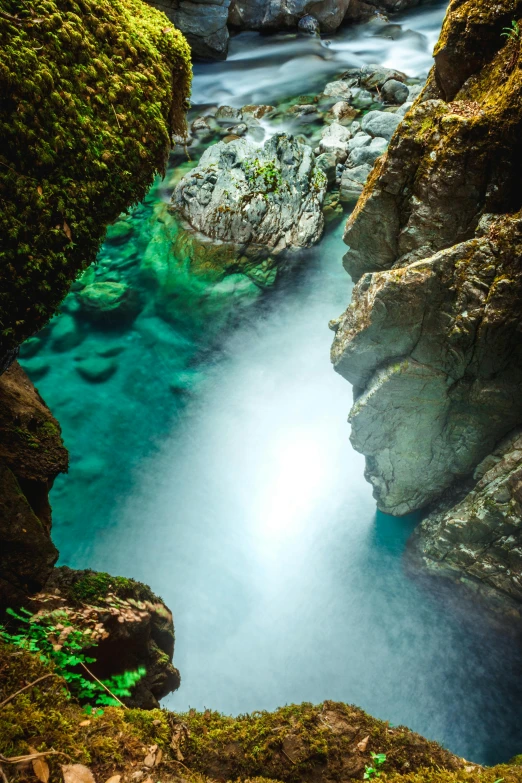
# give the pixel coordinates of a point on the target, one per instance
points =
(219, 471)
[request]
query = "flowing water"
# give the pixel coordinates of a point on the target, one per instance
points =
(243, 504)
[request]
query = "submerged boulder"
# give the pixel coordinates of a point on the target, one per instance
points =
(268, 198)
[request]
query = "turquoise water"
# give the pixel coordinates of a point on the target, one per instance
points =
(214, 464)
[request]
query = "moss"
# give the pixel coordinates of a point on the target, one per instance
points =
(93, 585)
(92, 91)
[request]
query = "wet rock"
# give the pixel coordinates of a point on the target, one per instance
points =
(269, 196)
(375, 76)
(96, 369)
(257, 112)
(361, 98)
(327, 162)
(203, 23)
(380, 123)
(367, 154)
(334, 140)
(352, 182)
(109, 302)
(228, 113)
(268, 16)
(36, 368)
(308, 25)
(340, 90)
(394, 91)
(118, 233)
(343, 113)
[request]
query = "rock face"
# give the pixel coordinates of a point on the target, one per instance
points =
(268, 198)
(268, 15)
(203, 22)
(31, 456)
(478, 541)
(431, 338)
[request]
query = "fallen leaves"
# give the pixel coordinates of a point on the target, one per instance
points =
(67, 231)
(113, 779)
(363, 744)
(77, 773)
(179, 733)
(40, 767)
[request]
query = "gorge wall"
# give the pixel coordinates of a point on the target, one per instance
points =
(431, 339)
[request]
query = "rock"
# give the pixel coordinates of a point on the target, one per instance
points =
(359, 140)
(375, 76)
(367, 154)
(145, 637)
(380, 123)
(228, 113)
(309, 25)
(109, 302)
(31, 456)
(203, 22)
(36, 368)
(340, 90)
(267, 16)
(268, 196)
(96, 369)
(361, 98)
(414, 91)
(66, 334)
(343, 113)
(394, 91)
(334, 140)
(118, 233)
(402, 110)
(30, 347)
(327, 162)
(256, 112)
(352, 182)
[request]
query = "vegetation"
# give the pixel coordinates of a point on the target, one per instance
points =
(56, 640)
(513, 32)
(265, 177)
(92, 90)
(373, 770)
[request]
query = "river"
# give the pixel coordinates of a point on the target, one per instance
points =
(246, 508)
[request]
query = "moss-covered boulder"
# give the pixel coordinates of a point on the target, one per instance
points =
(91, 93)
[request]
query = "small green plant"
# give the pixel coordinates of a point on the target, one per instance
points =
(374, 771)
(57, 641)
(513, 32)
(265, 176)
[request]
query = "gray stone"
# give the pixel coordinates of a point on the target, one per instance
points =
(340, 90)
(335, 139)
(228, 113)
(308, 25)
(203, 22)
(269, 196)
(327, 162)
(367, 154)
(269, 16)
(380, 123)
(394, 91)
(66, 334)
(352, 183)
(361, 98)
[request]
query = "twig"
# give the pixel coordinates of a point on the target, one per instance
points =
(182, 765)
(3, 775)
(31, 756)
(10, 698)
(117, 120)
(283, 751)
(103, 686)
(17, 20)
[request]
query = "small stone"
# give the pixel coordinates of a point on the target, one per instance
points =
(368, 154)
(343, 113)
(256, 112)
(327, 162)
(352, 183)
(394, 91)
(308, 25)
(339, 90)
(96, 370)
(229, 113)
(380, 123)
(361, 98)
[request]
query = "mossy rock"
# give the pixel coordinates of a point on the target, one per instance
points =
(109, 302)
(92, 91)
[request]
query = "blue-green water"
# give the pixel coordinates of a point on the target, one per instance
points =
(215, 465)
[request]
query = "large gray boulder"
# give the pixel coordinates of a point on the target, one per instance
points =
(268, 196)
(203, 22)
(274, 15)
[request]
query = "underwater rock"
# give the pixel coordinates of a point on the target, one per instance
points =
(267, 198)
(96, 369)
(31, 456)
(66, 334)
(109, 302)
(131, 626)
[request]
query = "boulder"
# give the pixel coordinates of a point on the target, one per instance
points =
(308, 25)
(203, 22)
(267, 197)
(66, 333)
(109, 302)
(367, 154)
(394, 91)
(380, 123)
(352, 183)
(267, 16)
(96, 369)
(334, 139)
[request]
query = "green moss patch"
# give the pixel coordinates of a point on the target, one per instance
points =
(92, 90)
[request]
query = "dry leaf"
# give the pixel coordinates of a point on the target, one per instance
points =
(77, 773)
(40, 767)
(363, 744)
(159, 756)
(149, 760)
(67, 231)
(114, 779)
(39, 189)
(85, 723)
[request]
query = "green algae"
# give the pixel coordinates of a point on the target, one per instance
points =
(94, 89)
